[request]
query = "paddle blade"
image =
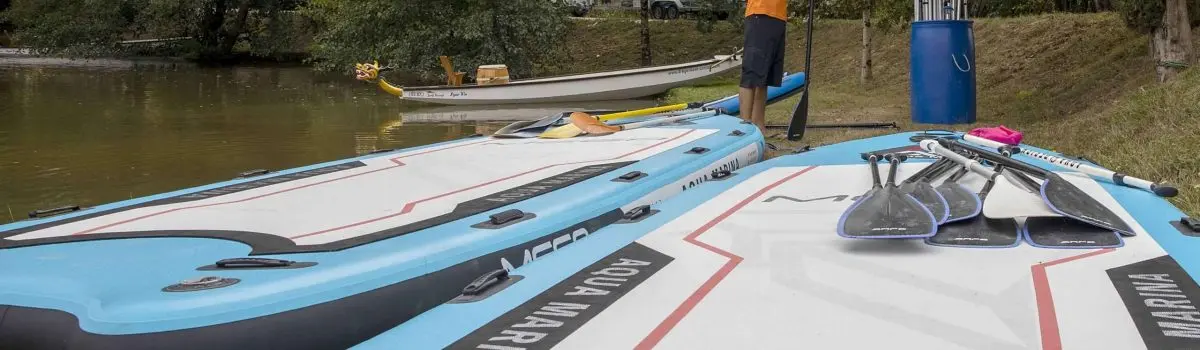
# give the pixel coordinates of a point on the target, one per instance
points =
(887, 213)
(930, 198)
(799, 121)
(562, 132)
(591, 125)
(962, 203)
(1006, 200)
(1067, 233)
(514, 127)
(1067, 199)
(978, 232)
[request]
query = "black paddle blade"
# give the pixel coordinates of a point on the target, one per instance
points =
(961, 203)
(799, 121)
(1067, 199)
(978, 232)
(887, 213)
(1068, 233)
(930, 198)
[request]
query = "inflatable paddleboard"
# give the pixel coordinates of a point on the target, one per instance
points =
(327, 256)
(755, 261)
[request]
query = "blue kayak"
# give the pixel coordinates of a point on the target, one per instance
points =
(329, 255)
(756, 261)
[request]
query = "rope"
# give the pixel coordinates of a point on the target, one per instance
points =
(960, 68)
(1173, 64)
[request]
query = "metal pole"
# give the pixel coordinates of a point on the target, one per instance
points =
(916, 10)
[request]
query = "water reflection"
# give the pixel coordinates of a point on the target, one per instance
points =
(88, 136)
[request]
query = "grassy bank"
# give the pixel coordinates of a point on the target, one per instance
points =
(1078, 84)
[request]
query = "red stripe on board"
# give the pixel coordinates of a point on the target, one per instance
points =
(410, 205)
(407, 207)
(688, 304)
(394, 160)
(1047, 319)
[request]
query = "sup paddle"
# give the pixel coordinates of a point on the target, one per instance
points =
(919, 187)
(963, 203)
(569, 130)
(977, 231)
(799, 121)
(592, 126)
(1061, 195)
(885, 211)
(1118, 178)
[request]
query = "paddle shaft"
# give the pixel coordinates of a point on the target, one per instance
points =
(797, 125)
(927, 171)
(894, 163)
(933, 146)
(644, 111)
(875, 183)
(661, 121)
(1117, 178)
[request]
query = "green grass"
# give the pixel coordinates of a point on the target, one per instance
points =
(1078, 84)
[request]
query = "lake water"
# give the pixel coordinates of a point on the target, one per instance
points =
(94, 135)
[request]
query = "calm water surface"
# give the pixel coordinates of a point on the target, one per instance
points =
(89, 136)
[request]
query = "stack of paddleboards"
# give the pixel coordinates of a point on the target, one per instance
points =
(329, 255)
(756, 261)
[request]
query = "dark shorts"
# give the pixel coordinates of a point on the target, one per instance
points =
(762, 60)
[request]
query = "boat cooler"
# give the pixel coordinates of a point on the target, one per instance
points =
(942, 84)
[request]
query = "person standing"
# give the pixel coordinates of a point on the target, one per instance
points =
(762, 61)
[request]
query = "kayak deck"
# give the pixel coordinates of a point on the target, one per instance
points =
(755, 262)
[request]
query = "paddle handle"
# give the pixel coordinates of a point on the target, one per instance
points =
(667, 120)
(935, 148)
(1117, 178)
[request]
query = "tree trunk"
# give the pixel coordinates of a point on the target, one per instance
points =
(1172, 42)
(646, 61)
(866, 63)
(230, 37)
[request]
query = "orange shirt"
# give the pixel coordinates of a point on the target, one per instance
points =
(773, 8)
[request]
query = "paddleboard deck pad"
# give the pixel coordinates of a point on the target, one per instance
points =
(329, 255)
(756, 262)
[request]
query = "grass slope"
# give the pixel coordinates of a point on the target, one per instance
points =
(1078, 84)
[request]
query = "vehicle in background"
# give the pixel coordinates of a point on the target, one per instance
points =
(672, 9)
(580, 8)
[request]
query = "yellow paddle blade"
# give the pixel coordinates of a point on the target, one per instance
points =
(591, 125)
(644, 111)
(562, 132)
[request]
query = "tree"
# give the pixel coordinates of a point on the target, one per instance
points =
(410, 35)
(56, 27)
(1169, 25)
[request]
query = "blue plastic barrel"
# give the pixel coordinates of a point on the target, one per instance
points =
(942, 58)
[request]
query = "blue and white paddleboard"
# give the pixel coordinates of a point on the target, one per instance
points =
(330, 255)
(755, 261)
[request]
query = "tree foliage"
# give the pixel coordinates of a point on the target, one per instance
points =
(96, 27)
(410, 35)
(1145, 15)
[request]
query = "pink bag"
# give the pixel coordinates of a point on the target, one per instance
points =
(999, 134)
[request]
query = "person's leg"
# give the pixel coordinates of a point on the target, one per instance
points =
(746, 97)
(759, 114)
(755, 66)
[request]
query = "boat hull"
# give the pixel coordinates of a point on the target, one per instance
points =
(619, 85)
